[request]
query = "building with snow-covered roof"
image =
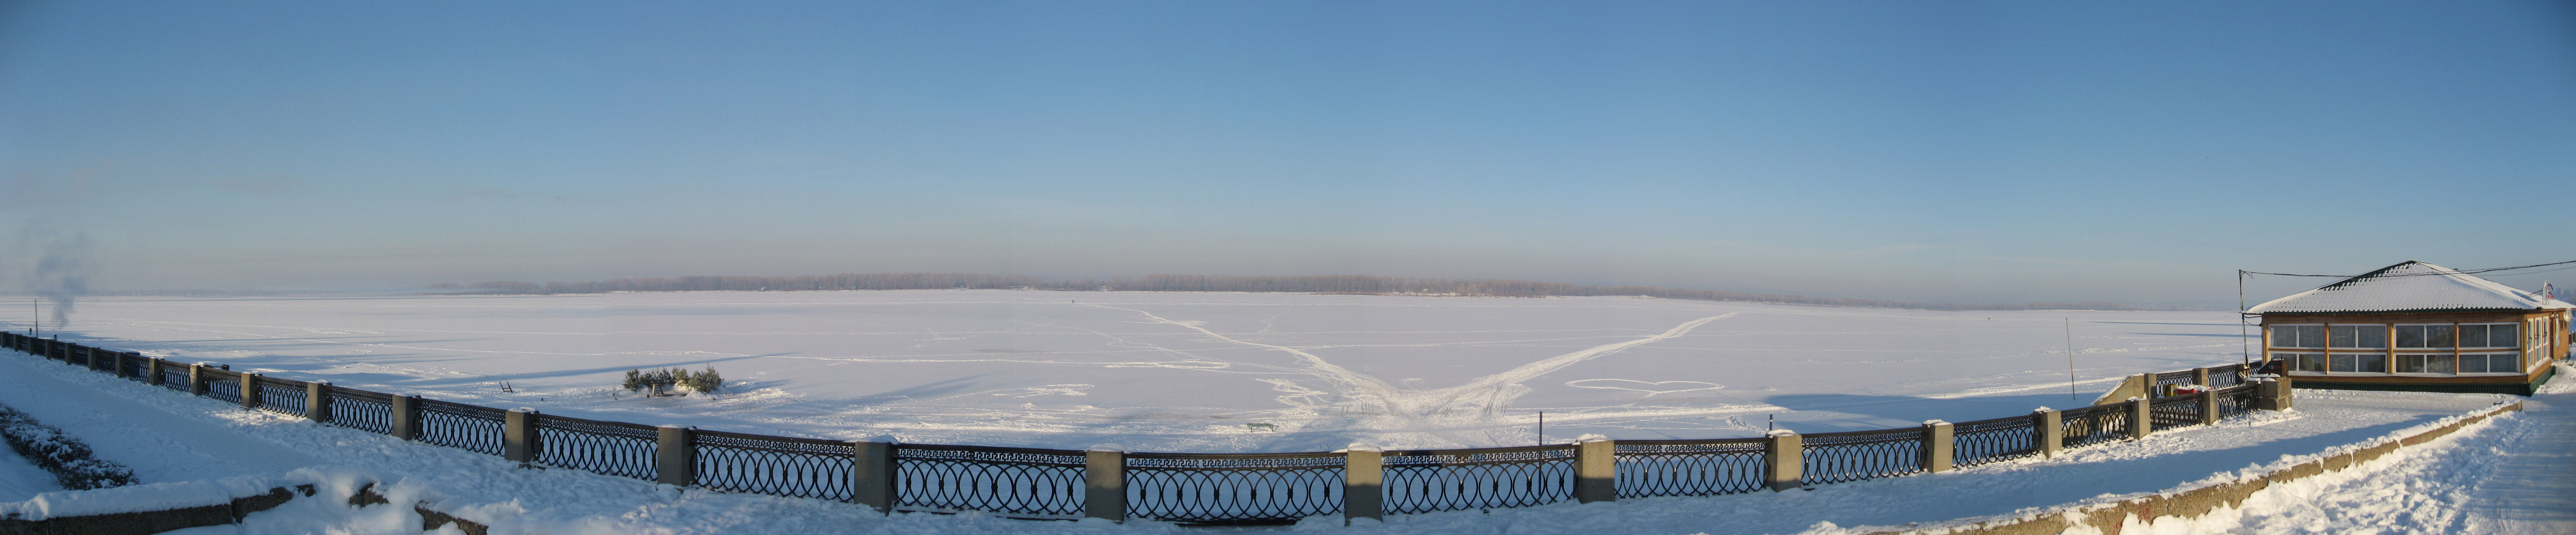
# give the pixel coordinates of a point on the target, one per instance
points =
(2417, 326)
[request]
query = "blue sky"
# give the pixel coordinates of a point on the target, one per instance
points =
(1937, 151)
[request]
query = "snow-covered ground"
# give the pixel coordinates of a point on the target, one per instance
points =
(21, 479)
(170, 436)
(1184, 371)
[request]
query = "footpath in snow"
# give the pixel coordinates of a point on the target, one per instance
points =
(170, 436)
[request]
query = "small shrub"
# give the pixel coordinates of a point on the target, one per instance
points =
(66, 457)
(663, 381)
(706, 381)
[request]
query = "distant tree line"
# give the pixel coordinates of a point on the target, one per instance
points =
(1337, 284)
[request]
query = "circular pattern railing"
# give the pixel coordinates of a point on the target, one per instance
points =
(1689, 467)
(1857, 455)
(1420, 481)
(1987, 441)
(1204, 487)
(778, 466)
(1026, 481)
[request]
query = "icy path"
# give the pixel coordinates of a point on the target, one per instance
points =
(170, 435)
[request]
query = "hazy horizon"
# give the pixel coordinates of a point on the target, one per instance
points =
(1956, 152)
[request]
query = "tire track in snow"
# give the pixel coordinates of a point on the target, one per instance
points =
(1416, 410)
(1498, 390)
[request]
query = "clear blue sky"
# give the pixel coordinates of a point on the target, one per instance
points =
(1911, 150)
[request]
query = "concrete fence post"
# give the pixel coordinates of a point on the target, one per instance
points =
(872, 473)
(675, 456)
(83, 354)
(1363, 483)
(2208, 407)
(196, 379)
(2200, 376)
(2153, 390)
(250, 390)
(1596, 469)
(1784, 461)
(1937, 446)
(519, 435)
(1104, 482)
(2272, 395)
(2050, 431)
(406, 417)
(152, 372)
(317, 401)
(120, 359)
(2141, 418)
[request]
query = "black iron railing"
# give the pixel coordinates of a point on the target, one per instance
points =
(363, 410)
(1209, 487)
(1421, 481)
(1015, 481)
(613, 448)
(222, 384)
(1857, 455)
(2096, 424)
(1987, 441)
(281, 396)
(777, 466)
(1689, 467)
(461, 426)
(2171, 412)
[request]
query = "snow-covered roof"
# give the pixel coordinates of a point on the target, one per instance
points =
(2408, 287)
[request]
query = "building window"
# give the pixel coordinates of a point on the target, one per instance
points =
(2299, 336)
(2491, 335)
(2490, 363)
(2358, 336)
(2425, 336)
(2305, 362)
(2371, 363)
(2410, 363)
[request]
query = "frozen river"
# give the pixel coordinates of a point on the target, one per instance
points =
(1183, 371)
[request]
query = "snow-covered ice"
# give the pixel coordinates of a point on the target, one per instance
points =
(1184, 371)
(129, 422)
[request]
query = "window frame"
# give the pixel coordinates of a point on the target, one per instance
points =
(2272, 339)
(2514, 369)
(2485, 336)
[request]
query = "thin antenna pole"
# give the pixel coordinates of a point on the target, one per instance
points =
(2244, 336)
(2070, 361)
(1542, 428)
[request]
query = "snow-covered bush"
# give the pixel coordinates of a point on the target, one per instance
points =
(660, 381)
(66, 457)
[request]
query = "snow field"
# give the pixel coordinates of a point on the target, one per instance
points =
(133, 423)
(1184, 371)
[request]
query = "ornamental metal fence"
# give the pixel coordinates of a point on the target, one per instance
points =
(1185, 487)
(1989, 441)
(1422, 481)
(281, 396)
(1239, 487)
(613, 448)
(1024, 482)
(1857, 455)
(778, 466)
(1690, 467)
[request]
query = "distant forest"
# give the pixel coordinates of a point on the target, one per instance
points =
(1331, 284)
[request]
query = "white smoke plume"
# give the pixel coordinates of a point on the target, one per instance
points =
(62, 274)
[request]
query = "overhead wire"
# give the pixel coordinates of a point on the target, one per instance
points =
(2452, 272)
